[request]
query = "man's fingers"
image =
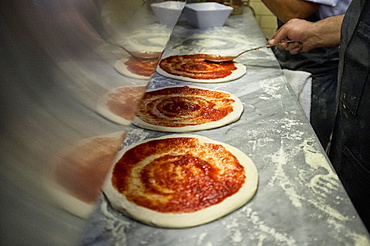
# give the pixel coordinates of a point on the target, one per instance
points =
(296, 49)
(296, 46)
(278, 36)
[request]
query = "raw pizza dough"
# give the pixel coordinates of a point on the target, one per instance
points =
(180, 181)
(186, 108)
(143, 69)
(119, 105)
(193, 68)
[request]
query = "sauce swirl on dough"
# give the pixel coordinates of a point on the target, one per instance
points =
(184, 106)
(178, 175)
(195, 67)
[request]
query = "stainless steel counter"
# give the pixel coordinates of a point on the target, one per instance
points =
(299, 201)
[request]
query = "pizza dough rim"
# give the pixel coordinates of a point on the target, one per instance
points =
(230, 118)
(172, 220)
(241, 69)
(122, 69)
(103, 110)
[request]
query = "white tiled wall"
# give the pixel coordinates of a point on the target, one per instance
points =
(264, 17)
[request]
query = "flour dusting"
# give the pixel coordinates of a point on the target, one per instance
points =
(280, 159)
(261, 238)
(136, 135)
(201, 238)
(348, 237)
(116, 227)
(322, 184)
(234, 224)
(289, 129)
(237, 237)
(254, 218)
(313, 157)
(271, 89)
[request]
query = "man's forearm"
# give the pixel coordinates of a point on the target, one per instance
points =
(288, 9)
(328, 31)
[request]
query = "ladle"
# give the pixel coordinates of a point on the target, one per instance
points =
(219, 58)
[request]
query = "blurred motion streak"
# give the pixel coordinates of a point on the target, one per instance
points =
(57, 59)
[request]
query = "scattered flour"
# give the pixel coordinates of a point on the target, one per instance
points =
(280, 158)
(237, 236)
(321, 186)
(233, 224)
(136, 135)
(280, 238)
(116, 227)
(357, 239)
(261, 238)
(201, 238)
(271, 88)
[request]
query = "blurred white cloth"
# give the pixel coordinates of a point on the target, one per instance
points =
(301, 82)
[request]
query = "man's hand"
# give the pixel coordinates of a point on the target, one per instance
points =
(298, 30)
(309, 35)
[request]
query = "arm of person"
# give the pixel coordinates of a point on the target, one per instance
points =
(289, 9)
(308, 35)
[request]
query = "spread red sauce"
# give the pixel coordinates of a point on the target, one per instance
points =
(184, 175)
(141, 67)
(184, 106)
(195, 67)
(218, 58)
(123, 101)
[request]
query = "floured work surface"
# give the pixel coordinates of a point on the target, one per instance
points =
(299, 200)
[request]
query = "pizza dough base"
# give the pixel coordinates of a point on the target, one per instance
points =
(230, 118)
(172, 220)
(122, 69)
(239, 72)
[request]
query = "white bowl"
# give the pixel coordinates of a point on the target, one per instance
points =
(168, 12)
(207, 15)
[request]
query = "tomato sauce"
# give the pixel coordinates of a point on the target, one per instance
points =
(184, 106)
(184, 176)
(195, 67)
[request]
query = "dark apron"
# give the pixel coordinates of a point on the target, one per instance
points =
(350, 149)
(322, 63)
